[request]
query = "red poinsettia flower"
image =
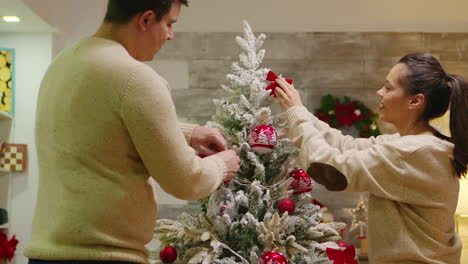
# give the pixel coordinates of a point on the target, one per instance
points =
(3, 251)
(322, 116)
(7, 247)
(345, 114)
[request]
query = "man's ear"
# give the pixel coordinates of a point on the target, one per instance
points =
(417, 101)
(145, 19)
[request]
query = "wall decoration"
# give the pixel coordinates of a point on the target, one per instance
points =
(350, 116)
(7, 80)
(14, 157)
(359, 214)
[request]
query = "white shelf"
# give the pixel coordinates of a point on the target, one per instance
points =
(5, 116)
(3, 171)
(4, 226)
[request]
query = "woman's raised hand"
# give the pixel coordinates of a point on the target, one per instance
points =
(287, 95)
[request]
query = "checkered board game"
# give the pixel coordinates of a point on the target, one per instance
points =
(14, 157)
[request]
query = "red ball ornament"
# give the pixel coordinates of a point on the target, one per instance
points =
(263, 139)
(168, 254)
(286, 205)
(302, 182)
(273, 257)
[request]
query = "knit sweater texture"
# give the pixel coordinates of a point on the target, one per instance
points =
(105, 124)
(412, 184)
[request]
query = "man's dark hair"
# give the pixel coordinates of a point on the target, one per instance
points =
(122, 11)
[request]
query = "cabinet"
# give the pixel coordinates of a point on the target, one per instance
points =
(5, 175)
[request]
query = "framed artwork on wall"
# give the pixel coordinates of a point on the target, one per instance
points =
(7, 80)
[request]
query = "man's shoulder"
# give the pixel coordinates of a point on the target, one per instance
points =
(145, 72)
(96, 53)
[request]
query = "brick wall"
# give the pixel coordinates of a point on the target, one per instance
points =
(352, 64)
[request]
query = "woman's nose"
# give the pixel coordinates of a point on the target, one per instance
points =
(380, 92)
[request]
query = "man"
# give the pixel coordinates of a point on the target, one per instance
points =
(105, 123)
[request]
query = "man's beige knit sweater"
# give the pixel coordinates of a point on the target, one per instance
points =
(412, 184)
(105, 123)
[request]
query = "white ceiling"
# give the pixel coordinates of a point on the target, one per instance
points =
(84, 16)
(30, 22)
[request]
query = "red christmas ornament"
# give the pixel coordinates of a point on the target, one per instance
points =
(168, 254)
(286, 205)
(263, 139)
(302, 182)
(273, 257)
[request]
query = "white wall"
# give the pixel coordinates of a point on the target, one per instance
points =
(33, 55)
(73, 19)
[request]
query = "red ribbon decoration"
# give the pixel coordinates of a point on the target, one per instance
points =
(345, 256)
(272, 77)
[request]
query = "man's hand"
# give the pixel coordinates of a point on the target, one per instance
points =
(232, 162)
(207, 141)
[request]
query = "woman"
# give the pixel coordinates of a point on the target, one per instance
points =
(412, 176)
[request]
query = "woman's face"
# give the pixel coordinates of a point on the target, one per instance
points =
(394, 101)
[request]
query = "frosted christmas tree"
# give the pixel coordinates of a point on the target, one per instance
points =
(266, 214)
